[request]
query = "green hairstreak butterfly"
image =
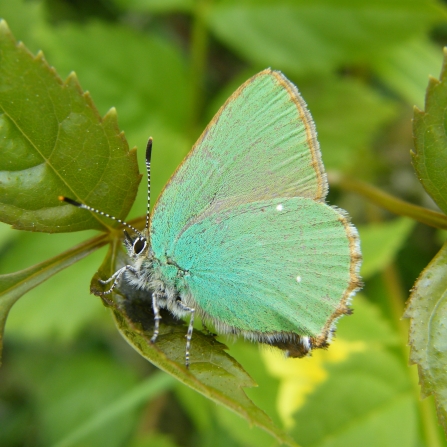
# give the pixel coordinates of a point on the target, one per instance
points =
(241, 235)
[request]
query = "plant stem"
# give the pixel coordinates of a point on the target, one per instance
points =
(199, 50)
(389, 202)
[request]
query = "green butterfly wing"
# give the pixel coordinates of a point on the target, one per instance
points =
(280, 265)
(244, 216)
(261, 144)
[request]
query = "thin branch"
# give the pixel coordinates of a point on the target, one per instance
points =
(389, 202)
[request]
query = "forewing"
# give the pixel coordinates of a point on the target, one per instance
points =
(281, 265)
(260, 145)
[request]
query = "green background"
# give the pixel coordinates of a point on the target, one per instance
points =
(68, 378)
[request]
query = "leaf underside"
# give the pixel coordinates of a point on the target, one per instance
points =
(427, 309)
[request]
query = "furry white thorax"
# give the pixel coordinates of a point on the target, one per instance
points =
(148, 278)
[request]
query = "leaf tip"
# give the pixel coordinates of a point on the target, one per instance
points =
(4, 28)
(88, 99)
(72, 81)
(432, 84)
(111, 118)
(6, 34)
(111, 113)
(72, 77)
(40, 57)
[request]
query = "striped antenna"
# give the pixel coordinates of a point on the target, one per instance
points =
(89, 208)
(148, 170)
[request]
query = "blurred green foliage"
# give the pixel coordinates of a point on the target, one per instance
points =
(68, 378)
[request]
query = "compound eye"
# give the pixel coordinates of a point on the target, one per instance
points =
(139, 245)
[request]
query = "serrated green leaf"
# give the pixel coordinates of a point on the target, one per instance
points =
(53, 142)
(430, 139)
(15, 285)
(212, 371)
(427, 309)
(366, 401)
(218, 426)
(152, 99)
(264, 396)
(23, 17)
(381, 242)
(301, 36)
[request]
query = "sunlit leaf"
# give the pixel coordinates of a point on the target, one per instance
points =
(102, 53)
(427, 309)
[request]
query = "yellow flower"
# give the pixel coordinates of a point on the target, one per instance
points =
(299, 377)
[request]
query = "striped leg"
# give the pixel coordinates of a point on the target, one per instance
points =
(116, 278)
(190, 329)
(157, 316)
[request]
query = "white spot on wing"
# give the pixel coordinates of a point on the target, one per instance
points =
(279, 207)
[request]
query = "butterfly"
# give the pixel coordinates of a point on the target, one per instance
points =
(241, 235)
